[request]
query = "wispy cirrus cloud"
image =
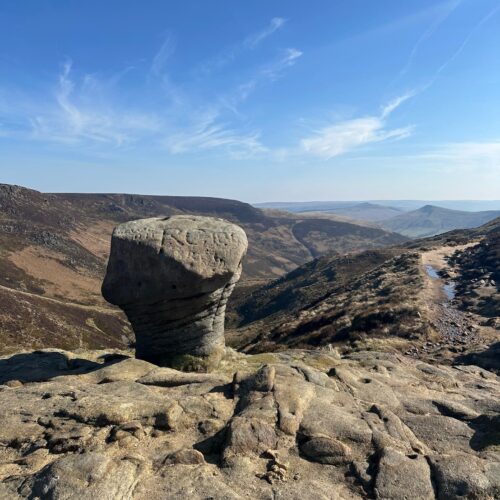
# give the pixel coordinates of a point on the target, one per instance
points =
(493, 12)
(255, 39)
(208, 125)
(180, 117)
(80, 115)
(345, 136)
(251, 42)
(161, 57)
(270, 72)
(213, 129)
(208, 131)
(448, 8)
(391, 106)
(275, 69)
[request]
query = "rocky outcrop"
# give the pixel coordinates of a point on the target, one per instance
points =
(476, 272)
(291, 425)
(173, 276)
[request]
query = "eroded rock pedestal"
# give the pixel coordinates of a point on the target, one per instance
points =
(172, 276)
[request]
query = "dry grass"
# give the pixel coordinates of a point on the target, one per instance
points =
(95, 237)
(60, 281)
(383, 302)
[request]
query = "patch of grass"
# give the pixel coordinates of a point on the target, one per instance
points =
(263, 359)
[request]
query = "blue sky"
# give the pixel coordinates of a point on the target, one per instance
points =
(258, 100)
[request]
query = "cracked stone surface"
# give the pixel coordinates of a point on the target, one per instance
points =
(173, 276)
(292, 425)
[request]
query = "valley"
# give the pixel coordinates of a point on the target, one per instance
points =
(392, 299)
(55, 246)
(309, 280)
(458, 330)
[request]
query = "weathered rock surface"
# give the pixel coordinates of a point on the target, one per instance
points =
(173, 276)
(291, 425)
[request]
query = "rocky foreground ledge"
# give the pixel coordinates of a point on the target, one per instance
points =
(298, 424)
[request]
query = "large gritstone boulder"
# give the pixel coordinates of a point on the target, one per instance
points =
(173, 276)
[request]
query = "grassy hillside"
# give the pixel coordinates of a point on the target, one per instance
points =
(335, 300)
(306, 285)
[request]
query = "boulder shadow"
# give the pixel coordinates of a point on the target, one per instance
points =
(39, 366)
(487, 432)
(213, 446)
(488, 359)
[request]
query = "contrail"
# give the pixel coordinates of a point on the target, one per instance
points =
(471, 33)
(427, 34)
(459, 50)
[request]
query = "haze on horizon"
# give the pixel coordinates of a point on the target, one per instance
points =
(257, 101)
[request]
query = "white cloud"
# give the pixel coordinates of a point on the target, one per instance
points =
(348, 135)
(79, 114)
(391, 106)
(438, 20)
(264, 74)
(213, 129)
(275, 69)
(85, 108)
(493, 12)
(254, 40)
(251, 42)
(89, 108)
(209, 132)
(160, 59)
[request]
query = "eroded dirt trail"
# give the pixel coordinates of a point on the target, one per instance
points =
(456, 330)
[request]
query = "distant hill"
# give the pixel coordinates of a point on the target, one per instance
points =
(367, 212)
(322, 236)
(306, 206)
(54, 247)
(403, 205)
(431, 220)
(277, 244)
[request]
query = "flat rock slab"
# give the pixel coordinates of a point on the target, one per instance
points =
(128, 429)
